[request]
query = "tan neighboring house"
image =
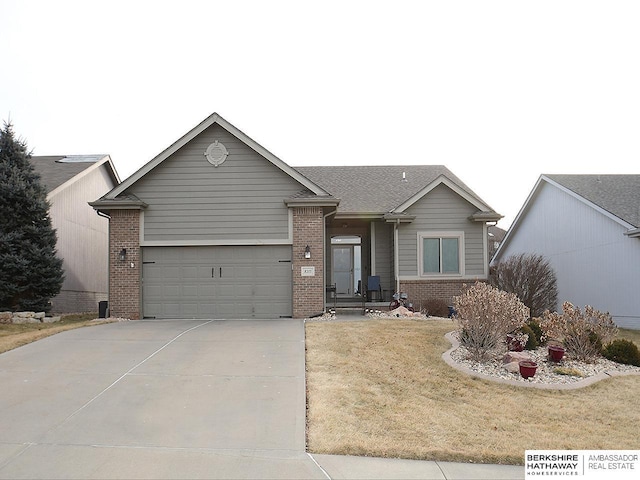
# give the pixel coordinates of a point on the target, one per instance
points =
(71, 182)
(216, 226)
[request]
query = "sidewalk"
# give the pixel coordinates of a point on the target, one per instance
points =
(344, 467)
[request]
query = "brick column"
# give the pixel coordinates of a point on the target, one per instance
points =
(308, 291)
(124, 276)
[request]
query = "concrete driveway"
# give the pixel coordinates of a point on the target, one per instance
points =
(175, 399)
(161, 399)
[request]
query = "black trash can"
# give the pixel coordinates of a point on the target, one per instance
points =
(102, 309)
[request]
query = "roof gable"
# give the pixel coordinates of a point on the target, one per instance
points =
(443, 180)
(192, 134)
(57, 172)
(615, 196)
(380, 190)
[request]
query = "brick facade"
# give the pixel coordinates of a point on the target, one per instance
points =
(419, 291)
(308, 291)
(124, 276)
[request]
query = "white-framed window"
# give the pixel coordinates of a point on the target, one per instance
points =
(440, 253)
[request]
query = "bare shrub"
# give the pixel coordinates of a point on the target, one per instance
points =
(582, 334)
(486, 315)
(531, 278)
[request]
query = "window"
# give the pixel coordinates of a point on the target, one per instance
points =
(440, 254)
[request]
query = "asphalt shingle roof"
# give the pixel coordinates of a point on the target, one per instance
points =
(54, 170)
(617, 194)
(377, 189)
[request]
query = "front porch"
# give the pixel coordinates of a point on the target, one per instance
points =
(358, 263)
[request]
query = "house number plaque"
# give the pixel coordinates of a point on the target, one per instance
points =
(308, 271)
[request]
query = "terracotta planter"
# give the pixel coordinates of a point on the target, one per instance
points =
(527, 368)
(556, 352)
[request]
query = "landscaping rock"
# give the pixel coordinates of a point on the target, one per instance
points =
(50, 319)
(512, 367)
(511, 357)
(26, 317)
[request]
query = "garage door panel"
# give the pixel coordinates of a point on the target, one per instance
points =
(217, 282)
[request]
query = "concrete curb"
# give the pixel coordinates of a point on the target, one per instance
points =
(446, 356)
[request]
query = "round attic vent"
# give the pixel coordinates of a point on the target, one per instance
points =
(216, 153)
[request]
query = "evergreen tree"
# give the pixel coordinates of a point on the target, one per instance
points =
(30, 272)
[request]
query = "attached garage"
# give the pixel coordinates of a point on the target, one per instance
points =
(218, 227)
(217, 282)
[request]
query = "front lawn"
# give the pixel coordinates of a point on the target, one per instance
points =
(380, 388)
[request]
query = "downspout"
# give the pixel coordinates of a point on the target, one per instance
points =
(324, 256)
(396, 256)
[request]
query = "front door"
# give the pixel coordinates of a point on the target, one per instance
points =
(342, 262)
(346, 265)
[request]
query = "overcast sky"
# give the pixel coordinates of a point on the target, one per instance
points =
(498, 91)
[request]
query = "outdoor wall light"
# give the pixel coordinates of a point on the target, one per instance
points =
(307, 252)
(123, 254)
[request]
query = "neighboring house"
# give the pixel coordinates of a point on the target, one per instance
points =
(587, 226)
(496, 236)
(216, 226)
(71, 182)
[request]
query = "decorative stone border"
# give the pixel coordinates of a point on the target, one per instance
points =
(446, 356)
(26, 317)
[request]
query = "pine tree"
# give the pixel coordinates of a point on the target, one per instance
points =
(30, 272)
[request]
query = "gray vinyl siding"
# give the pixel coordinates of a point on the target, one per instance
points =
(442, 210)
(595, 262)
(83, 242)
(384, 255)
(191, 200)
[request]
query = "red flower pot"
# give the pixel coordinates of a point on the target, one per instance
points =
(556, 352)
(527, 368)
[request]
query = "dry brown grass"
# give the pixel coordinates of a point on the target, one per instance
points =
(380, 388)
(16, 335)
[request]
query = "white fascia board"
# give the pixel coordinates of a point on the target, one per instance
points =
(516, 221)
(193, 243)
(197, 130)
(94, 166)
(442, 179)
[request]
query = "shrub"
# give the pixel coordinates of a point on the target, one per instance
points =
(436, 307)
(582, 334)
(623, 351)
(532, 341)
(534, 325)
(486, 315)
(531, 278)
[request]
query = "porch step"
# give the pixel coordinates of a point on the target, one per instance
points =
(356, 309)
(347, 311)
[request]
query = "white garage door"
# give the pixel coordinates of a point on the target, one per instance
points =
(217, 282)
